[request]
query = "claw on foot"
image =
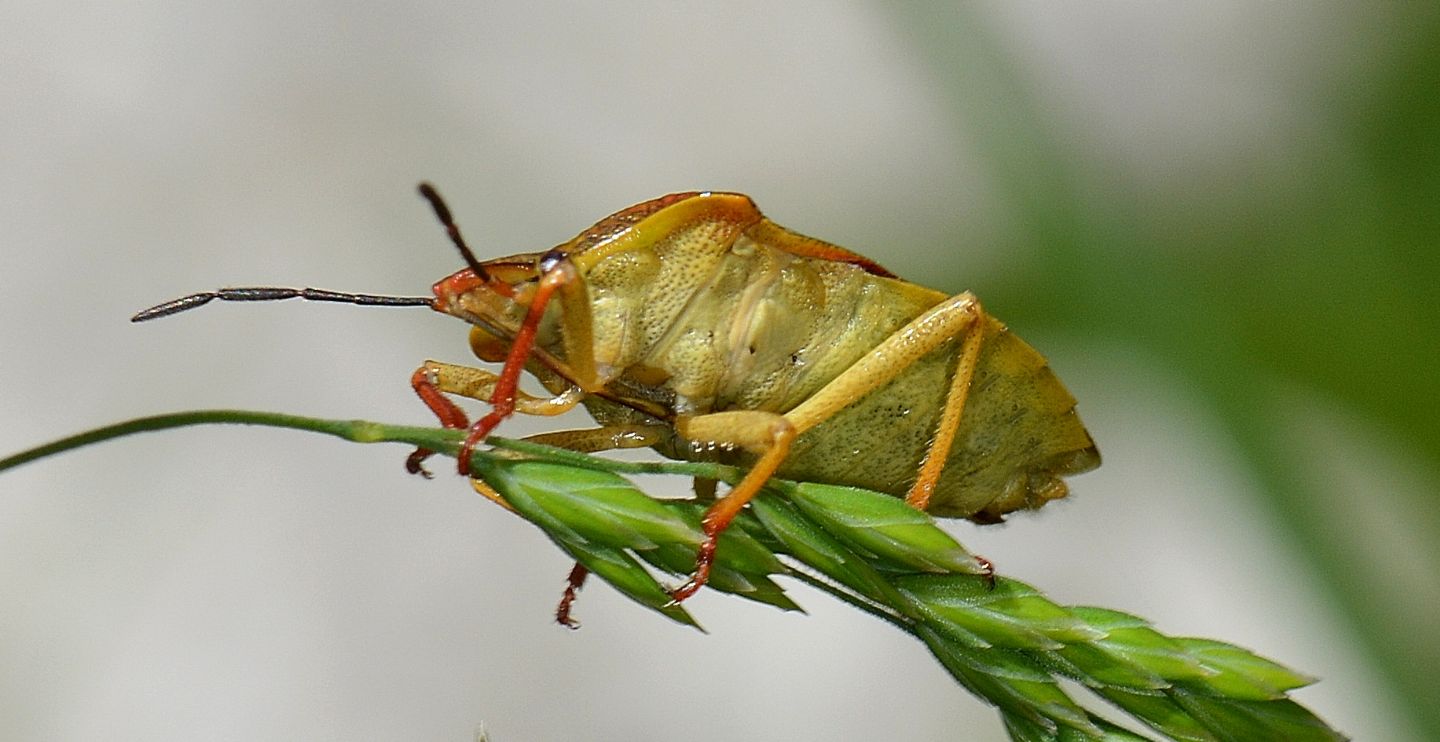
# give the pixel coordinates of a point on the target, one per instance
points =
(414, 463)
(573, 583)
(703, 560)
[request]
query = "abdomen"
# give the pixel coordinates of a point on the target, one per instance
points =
(765, 329)
(1018, 435)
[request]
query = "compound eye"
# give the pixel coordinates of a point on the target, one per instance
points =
(550, 259)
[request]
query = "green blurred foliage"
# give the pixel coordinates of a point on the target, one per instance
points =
(1250, 291)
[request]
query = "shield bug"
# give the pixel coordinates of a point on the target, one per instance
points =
(693, 325)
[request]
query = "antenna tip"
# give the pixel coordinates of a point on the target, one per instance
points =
(173, 306)
(442, 212)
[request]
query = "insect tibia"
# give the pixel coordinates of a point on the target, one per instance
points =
(275, 293)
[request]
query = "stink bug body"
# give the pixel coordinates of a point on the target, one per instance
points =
(693, 325)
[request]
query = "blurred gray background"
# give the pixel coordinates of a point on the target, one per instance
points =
(1217, 221)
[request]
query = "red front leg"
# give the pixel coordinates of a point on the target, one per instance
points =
(449, 414)
(502, 401)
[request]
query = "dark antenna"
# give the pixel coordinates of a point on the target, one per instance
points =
(274, 293)
(442, 212)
